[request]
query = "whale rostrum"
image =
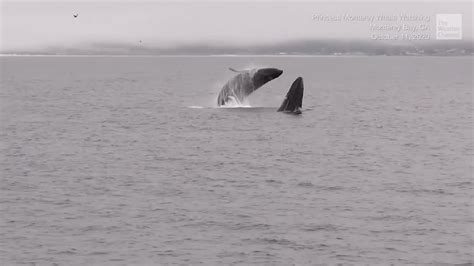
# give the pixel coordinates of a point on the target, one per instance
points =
(294, 98)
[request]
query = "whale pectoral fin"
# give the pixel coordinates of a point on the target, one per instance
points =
(294, 98)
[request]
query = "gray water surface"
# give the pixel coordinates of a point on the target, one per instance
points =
(126, 160)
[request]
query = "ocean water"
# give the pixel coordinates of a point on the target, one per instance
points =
(127, 160)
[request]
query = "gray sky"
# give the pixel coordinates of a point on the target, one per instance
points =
(39, 24)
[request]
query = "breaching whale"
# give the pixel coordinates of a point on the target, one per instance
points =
(246, 82)
(294, 98)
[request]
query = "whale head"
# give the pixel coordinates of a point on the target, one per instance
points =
(264, 75)
(294, 98)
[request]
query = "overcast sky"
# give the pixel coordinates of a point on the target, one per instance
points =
(37, 24)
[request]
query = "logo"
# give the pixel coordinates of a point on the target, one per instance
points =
(448, 26)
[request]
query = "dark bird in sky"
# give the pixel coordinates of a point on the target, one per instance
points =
(75, 15)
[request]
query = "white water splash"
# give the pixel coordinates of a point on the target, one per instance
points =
(234, 102)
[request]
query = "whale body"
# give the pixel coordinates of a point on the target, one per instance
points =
(244, 83)
(294, 98)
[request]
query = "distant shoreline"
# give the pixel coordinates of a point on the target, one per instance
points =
(237, 55)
